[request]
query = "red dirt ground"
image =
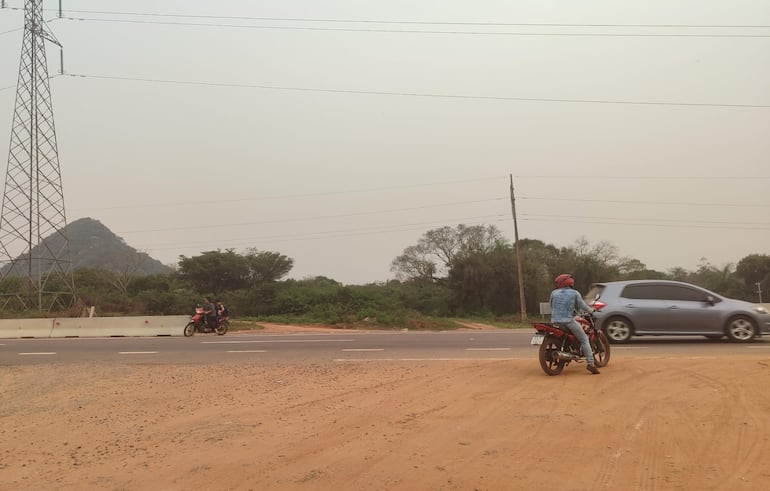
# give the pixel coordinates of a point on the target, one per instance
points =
(645, 423)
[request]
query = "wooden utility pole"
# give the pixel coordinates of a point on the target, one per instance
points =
(522, 300)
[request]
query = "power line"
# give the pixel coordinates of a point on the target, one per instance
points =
(677, 203)
(440, 205)
(653, 220)
(321, 217)
(411, 31)
(22, 28)
(305, 195)
(416, 94)
(559, 220)
(407, 22)
(420, 227)
(637, 178)
(345, 232)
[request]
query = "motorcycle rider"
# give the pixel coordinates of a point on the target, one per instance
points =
(210, 311)
(564, 301)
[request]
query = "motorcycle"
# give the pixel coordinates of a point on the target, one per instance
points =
(198, 324)
(559, 347)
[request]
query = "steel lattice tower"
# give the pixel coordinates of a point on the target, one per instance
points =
(35, 265)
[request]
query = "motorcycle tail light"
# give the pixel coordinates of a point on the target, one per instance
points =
(598, 305)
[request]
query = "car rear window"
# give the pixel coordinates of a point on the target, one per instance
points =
(596, 289)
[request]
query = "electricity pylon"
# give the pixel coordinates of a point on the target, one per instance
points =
(35, 265)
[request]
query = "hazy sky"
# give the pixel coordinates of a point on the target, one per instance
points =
(343, 177)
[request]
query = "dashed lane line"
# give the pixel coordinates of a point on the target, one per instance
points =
(39, 353)
(487, 349)
(427, 359)
(281, 341)
(138, 352)
(364, 349)
(248, 351)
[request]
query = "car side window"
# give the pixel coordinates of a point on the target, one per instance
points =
(683, 293)
(663, 292)
(641, 292)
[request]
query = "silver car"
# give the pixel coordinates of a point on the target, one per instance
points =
(672, 308)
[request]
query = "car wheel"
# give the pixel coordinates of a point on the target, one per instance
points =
(618, 329)
(741, 329)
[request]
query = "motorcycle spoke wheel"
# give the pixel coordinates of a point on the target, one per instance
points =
(549, 364)
(601, 348)
(222, 328)
(189, 329)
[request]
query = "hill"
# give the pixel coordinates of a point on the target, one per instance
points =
(93, 245)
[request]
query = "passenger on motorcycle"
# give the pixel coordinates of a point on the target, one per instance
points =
(564, 302)
(222, 312)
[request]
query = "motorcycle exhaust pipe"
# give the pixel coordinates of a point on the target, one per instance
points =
(565, 356)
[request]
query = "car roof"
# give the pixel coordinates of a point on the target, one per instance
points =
(644, 282)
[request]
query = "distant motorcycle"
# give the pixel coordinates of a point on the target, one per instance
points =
(559, 347)
(198, 324)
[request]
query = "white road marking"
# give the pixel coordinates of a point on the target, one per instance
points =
(280, 341)
(758, 347)
(49, 353)
(429, 359)
(487, 349)
(248, 351)
(364, 349)
(137, 352)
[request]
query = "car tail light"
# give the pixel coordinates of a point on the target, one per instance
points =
(598, 305)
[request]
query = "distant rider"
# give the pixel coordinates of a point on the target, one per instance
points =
(564, 302)
(210, 311)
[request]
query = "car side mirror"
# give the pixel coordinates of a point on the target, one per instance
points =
(710, 300)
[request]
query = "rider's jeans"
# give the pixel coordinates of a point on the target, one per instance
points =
(579, 333)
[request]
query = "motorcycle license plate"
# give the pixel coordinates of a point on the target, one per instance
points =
(537, 339)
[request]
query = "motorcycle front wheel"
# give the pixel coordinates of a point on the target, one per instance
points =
(189, 329)
(222, 328)
(548, 362)
(601, 348)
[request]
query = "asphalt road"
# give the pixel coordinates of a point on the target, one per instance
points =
(333, 347)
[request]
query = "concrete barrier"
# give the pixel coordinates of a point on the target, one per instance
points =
(25, 328)
(82, 327)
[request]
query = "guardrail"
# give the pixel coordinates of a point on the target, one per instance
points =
(81, 327)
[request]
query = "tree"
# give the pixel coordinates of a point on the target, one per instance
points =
(215, 271)
(266, 267)
(438, 249)
(753, 269)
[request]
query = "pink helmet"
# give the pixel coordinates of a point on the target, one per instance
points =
(564, 280)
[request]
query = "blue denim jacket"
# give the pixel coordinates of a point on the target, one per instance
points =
(564, 301)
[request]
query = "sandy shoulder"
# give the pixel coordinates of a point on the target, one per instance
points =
(645, 423)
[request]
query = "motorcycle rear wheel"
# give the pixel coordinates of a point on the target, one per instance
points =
(222, 328)
(549, 364)
(600, 345)
(189, 329)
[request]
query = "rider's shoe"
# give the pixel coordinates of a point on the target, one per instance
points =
(592, 369)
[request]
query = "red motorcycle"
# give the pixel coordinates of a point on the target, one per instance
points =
(559, 347)
(198, 324)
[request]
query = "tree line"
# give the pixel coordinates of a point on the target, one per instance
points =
(462, 271)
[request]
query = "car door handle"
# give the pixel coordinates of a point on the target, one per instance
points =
(673, 307)
(629, 305)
